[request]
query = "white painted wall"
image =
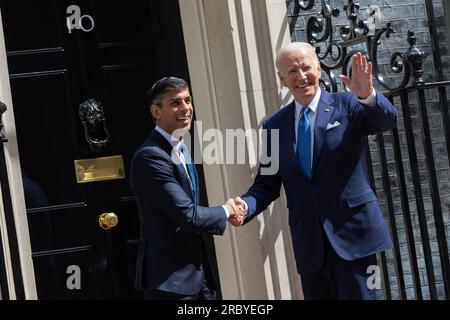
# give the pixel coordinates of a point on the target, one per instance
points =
(231, 46)
(15, 184)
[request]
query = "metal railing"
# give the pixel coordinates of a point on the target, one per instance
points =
(411, 197)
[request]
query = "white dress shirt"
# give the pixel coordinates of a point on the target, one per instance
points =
(176, 145)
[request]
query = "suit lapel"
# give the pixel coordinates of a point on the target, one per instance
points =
(324, 112)
(196, 193)
(290, 123)
(167, 147)
(186, 183)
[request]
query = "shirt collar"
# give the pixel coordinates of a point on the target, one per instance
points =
(174, 142)
(313, 104)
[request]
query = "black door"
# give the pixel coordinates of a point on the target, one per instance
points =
(53, 69)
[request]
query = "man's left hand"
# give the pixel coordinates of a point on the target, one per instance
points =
(360, 84)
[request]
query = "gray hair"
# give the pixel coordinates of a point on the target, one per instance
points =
(293, 46)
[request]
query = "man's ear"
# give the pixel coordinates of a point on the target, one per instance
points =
(280, 76)
(155, 110)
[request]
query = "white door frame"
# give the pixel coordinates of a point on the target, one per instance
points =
(16, 188)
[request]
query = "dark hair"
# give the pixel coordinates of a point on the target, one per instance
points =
(160, 87)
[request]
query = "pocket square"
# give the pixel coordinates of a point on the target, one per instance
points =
(333, 125)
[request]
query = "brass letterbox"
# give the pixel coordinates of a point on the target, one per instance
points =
(99, 169)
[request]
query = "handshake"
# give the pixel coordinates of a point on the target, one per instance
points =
(238, 213)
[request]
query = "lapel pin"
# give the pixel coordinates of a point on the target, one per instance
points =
(327, 110)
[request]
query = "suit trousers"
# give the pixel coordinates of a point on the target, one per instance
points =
(339, 279)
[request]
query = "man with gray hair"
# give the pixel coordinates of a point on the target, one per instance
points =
(336, 224)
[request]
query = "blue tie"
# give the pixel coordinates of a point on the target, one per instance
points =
(190, 168)
(304, 142)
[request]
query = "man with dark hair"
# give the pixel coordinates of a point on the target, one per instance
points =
(172, 261)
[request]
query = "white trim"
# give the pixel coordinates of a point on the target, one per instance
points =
(230, 46)
(15, 181)
(202, 84)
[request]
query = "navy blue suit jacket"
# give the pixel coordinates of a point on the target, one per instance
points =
(171, 255)
(337, 199)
